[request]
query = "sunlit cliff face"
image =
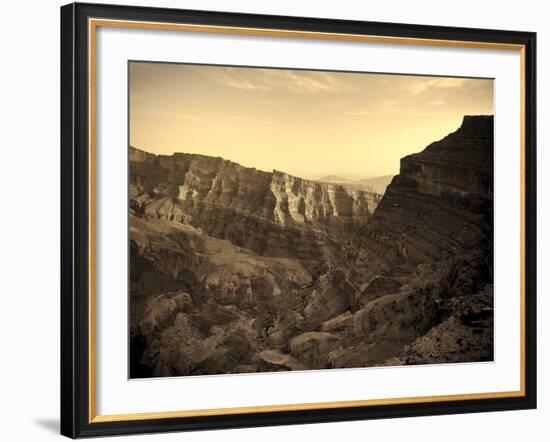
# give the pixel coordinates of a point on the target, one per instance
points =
(306, 123)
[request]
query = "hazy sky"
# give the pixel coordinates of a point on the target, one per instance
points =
(305, 123)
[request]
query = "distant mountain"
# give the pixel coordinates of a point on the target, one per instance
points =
(375, 184)
(379, 184)
(334, 179)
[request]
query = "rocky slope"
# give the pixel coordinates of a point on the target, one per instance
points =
(237, 270)
(197, 300)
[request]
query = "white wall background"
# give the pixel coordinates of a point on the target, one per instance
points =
(29, 233)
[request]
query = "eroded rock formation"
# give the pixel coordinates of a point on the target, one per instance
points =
(272, 214)
(238, 270)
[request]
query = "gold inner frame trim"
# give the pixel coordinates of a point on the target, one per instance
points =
(93, 24)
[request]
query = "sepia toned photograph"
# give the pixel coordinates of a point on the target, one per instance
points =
(288, 219)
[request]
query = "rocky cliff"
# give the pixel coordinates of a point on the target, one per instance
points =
(428, 244)
(272, 214)
(222, 258)
(441, 203)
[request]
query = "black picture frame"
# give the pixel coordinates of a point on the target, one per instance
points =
(75, 220)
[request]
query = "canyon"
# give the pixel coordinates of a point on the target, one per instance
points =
(237, 270)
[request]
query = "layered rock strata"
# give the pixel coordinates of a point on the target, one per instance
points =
(234, 270)
(272, 214)
(428, 242)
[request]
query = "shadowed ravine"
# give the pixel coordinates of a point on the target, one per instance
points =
(236, 270)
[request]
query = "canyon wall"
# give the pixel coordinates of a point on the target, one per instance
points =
(272, 214)
(237, 270)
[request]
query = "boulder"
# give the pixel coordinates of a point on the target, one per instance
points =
(339, 323)
(274, 360)
(312, 348)
(363, 355)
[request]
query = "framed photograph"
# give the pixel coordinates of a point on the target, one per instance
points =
(274, 220)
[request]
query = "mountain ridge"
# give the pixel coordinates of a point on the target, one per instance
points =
(267, 212)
